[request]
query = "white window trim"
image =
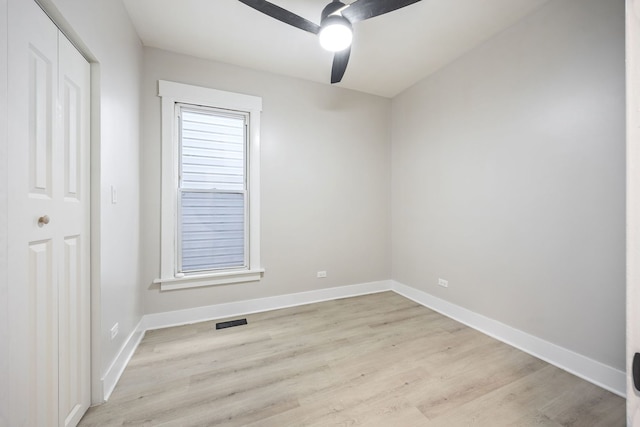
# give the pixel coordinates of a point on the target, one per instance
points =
(170, 94)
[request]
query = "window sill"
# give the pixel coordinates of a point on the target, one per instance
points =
(210, 279)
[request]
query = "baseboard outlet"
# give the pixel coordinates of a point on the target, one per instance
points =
(588, 369)
(113, 374)
(242, 308)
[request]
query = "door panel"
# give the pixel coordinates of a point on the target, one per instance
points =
(48, 217)
(41, 92)
(33, 339)
(43, 331)
(72, 136)
(74, 317)
(73, 381)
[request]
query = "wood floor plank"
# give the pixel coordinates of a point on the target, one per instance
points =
(375, 360)
(586, 405)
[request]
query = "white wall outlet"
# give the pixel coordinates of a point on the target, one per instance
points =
(114, 195)
(443, 283)
(114, 331)
(322, 274)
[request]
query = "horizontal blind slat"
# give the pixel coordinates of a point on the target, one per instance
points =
(212, 150)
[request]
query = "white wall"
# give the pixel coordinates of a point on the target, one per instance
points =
(104, 31)
(508, 179)
(4, 285)
(324, 182)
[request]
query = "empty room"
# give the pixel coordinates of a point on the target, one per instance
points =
(320, 213)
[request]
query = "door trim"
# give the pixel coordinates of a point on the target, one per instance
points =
(633, 202)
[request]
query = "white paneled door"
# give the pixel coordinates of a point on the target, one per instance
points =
(48, 218)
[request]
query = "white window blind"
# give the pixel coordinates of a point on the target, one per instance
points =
(212, 193)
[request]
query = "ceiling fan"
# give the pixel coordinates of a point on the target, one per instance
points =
(335, 31)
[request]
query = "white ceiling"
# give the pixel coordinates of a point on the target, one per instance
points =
(390, 52)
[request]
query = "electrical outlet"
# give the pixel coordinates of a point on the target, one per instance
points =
(114, 331)
(443, 283)
(322, 274)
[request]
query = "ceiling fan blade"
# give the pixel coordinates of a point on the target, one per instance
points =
(340, 61)
(365, 9)
(282, 15)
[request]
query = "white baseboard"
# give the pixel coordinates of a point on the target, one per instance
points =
(238, 308)
(111, 377)
(593, 371)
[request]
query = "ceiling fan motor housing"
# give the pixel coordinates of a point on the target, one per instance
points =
(332, 7)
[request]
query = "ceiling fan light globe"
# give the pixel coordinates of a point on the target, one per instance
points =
(336, 33)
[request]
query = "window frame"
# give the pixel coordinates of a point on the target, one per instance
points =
(172, 94)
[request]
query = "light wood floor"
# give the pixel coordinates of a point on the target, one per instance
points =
(375, 360)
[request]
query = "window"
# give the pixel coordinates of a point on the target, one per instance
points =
(210, 187)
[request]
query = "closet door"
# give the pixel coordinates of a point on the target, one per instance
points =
(73, 278)
(48, 214)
